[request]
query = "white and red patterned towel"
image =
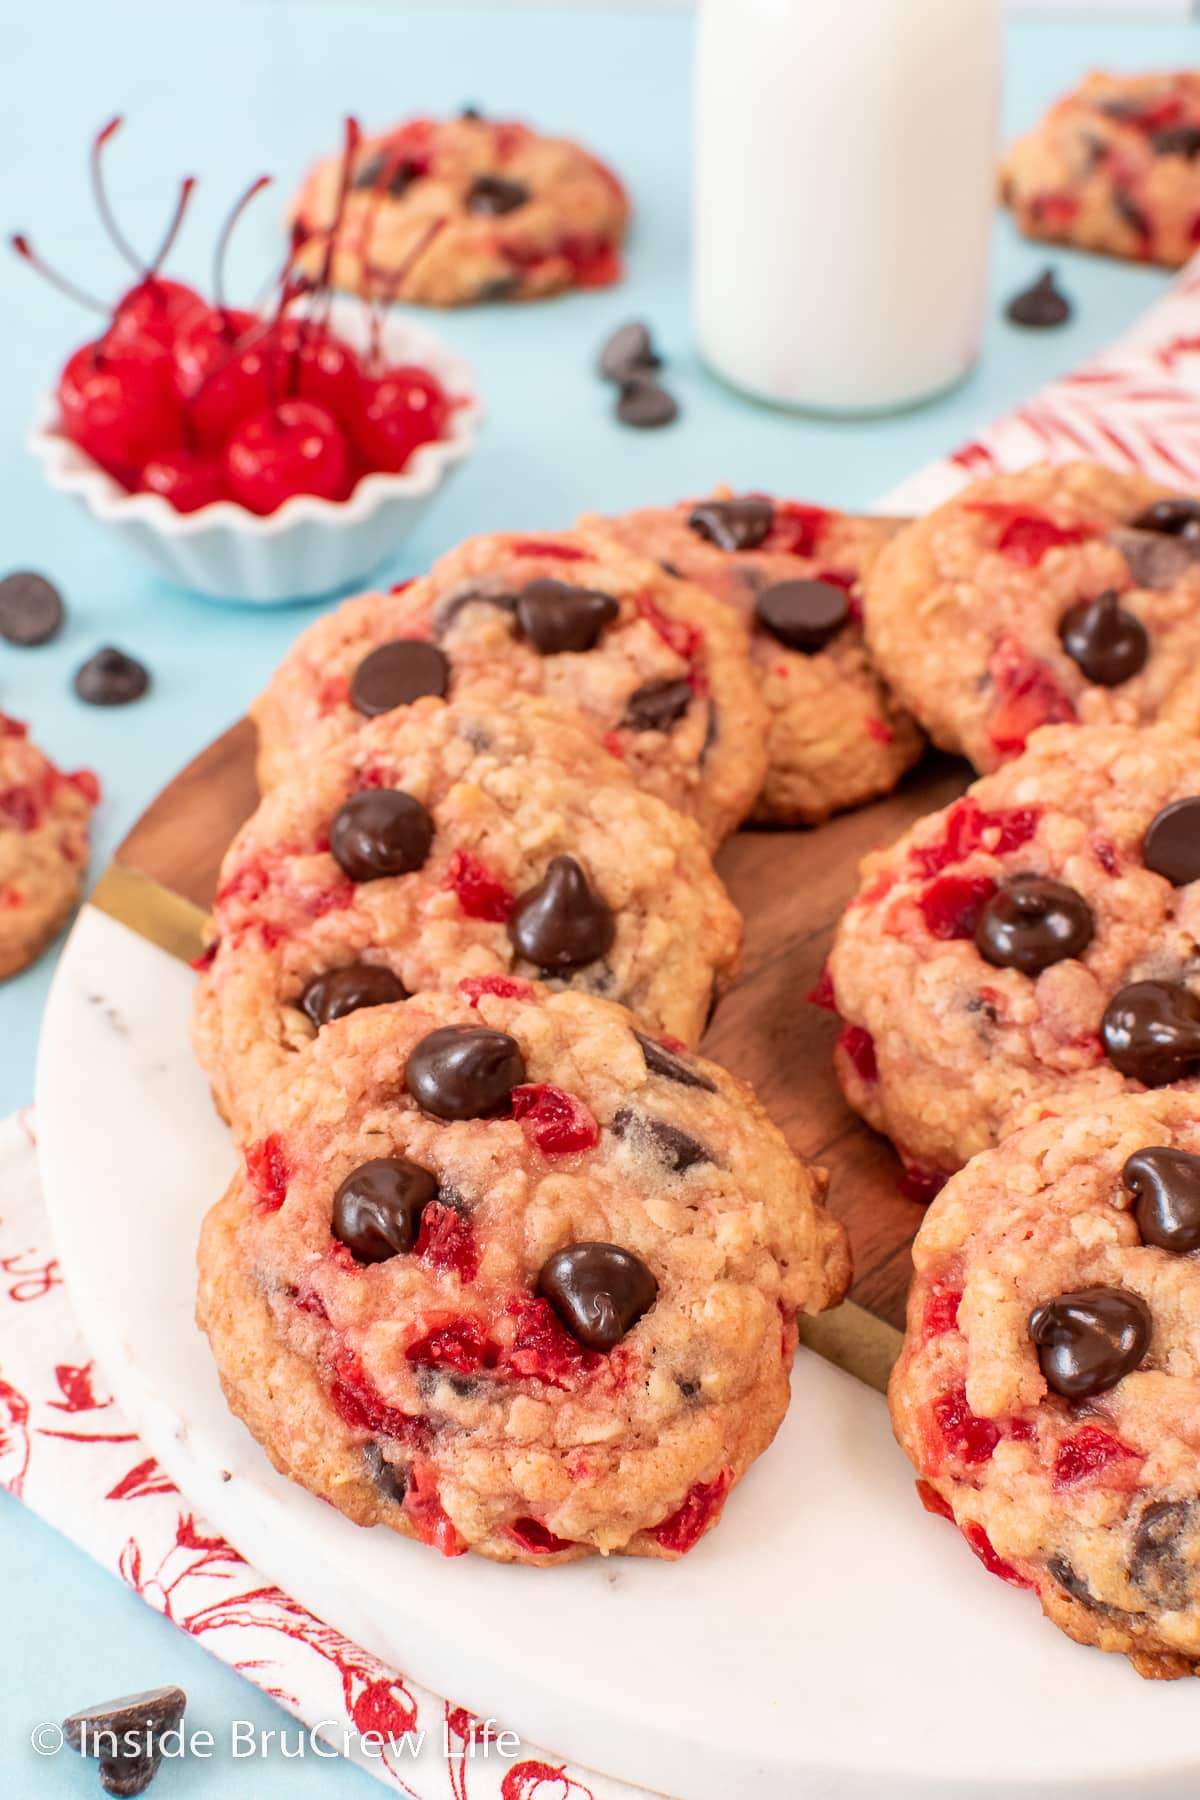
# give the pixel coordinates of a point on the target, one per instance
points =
(66, 1450)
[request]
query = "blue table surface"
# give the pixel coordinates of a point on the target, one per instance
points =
(234, 87)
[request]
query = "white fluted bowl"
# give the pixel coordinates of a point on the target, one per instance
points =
(309, 547)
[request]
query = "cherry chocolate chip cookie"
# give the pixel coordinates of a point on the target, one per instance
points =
(481, 838)
(509, 1274)
(44, 816)
(835, 736)
(443, 213)
(1041, 598)
(1115, 167)
(659, 669)
(1046, 1390)
(1030, 949)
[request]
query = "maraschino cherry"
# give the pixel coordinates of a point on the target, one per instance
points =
(294, 447)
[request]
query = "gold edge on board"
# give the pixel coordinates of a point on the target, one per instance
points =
(155, 912)
(855, 1340)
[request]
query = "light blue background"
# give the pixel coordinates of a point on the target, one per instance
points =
(227, 90)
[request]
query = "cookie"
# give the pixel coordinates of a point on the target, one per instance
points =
(1029, 949)
(1046, 1391)
(658, 668)
(1052, 595)
(512, 1276)
(44, 816)
(443, 213)
(836, 737)
(1115, 167)
(481, 838)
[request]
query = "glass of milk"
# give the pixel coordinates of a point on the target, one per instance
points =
(844, 182)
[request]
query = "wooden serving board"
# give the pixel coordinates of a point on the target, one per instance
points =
(791, 888)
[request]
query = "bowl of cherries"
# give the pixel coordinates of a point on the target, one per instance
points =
(264, 456)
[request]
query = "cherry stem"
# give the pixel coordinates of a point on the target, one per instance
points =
(27, 253)
(103, 205)
(320, 291)
(186, 189)
(388, 286)
(239, 207)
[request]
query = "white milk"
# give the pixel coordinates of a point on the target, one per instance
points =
(844, 189)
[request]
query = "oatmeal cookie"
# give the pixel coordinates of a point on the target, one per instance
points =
(660, 670)
(510, 1275)
(1030, 949)
(836, 738)
(442, 213)
(1047, 1388)
(1115, 167)
(479, 838)
(1040, 598)
(44, 817)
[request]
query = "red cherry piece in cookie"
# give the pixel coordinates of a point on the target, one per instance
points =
(461, 1344)
(285, 450)
(598, 1290)
(969, 828)
(447, 1242)
(1028, 694)
(268, 1171)
(681, 1530)
(558, 1123)
(481, 894)
(562, 923)
(532, 1535)
(982, 1546)
(1089, 1341)
(377, 1209)
(858, 1046)
(966, 1436)
(465, 1072)
(1088, 1453)
(395, 414)
(952, 906)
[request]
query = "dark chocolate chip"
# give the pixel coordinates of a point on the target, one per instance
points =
(1073, 1583)
(349, 989)
(491, 196)
(1041, 306)
(397, 674)
(390, 1478)
(688, 1390)
(110, 678)
(400, 179)
(629, 351)
(1108, 643)
(124, 1736)
(733, 524)
(556, 617)
(377, 1210)
(676, 1149)
(1159, 1564)
(1030, 923)
(125, 1776)
(1176, 517)
(1177, 140)
(1155, 560)
(447, 610)
(657, 705)
(562, 923)
(381, 831)
(471, 112)
(645, 404)
(1131, 214)
(1171, 846)
(464, 1072)
(31, 609)
(664, 1062)
(1151, 1032)
(599, 1291)
(1165, 1186)
(498, 287)
(1086, 1342)
(804, 615)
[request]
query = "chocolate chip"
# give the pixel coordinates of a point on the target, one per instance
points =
(1177, 140)
(557, 617)
(1154, 560)
(1165, 1185)
(645, 404)
(377, 1210)
(733, 524)
(804, 615)
(1171, 846)
(397, 674)
(124, 1736)
(464, 1072)
(349, 989)
(688, 1390)
(562, 923)
(381, 831)
(629, 351)
(31, 609)
(390, 1478)
(674, 1148)
(491, 196)
(1159, 1564)
(664, 1062)
(400, 179)
(1073, 1583)
(1175, 517)
(1151, 1031)
(1131, 214)
(1086, 1342)
(1108, 643)
(447, 610)
(657, 705)
(1041, 306)
(1030, 923)
(599, 1291)
(110, 678)
(471, 112)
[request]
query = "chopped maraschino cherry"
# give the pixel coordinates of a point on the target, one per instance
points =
(291, 448)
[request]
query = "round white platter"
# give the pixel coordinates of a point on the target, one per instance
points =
(827, 1640)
